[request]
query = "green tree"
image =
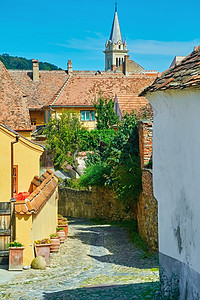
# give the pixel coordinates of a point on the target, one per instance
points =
(119, 165)
(63, 140)
(106, 116)
(15, 62)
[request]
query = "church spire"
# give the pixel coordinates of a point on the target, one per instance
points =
(116, 49)
(115, 34)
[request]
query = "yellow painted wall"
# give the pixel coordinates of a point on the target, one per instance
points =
(45, 222)
(29, 228)
(28, 161)
(23, 226)
(5, 166)
(38, 115)
(88, 124)
(26, 156)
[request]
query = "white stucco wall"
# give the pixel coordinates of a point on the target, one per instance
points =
(176, 173)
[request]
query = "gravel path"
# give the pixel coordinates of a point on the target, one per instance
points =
(96, 262)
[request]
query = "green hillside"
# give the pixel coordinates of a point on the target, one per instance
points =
(21, 63)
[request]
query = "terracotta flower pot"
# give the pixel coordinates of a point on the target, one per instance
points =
(44, 251)
(61, 235)
(60, 219)
(16, 258)
(65, 228)
(55, 244)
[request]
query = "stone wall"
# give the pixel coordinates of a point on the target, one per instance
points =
(147, 215)
(145, 142)
(97, 203)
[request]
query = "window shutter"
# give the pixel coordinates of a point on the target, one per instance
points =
(82, 115)
(87, 115)
(92, 115)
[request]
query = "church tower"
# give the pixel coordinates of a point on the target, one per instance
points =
(115, 48)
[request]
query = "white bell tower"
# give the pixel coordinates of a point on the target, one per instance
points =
(115, 48)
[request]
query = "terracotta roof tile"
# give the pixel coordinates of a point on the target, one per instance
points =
(183, 75)
(128, 103)
(13, 105)
(82, 90)
(39, 93)
(38, 198)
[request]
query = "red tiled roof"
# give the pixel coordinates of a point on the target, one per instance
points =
(127, 103)
(38, 198)
(39, 93)
(83, 90)
(184, 74)
(13, 106)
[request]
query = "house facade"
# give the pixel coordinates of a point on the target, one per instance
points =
(176, 143)
(19, 162)
(34, 198)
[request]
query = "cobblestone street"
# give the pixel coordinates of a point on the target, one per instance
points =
(96, 262)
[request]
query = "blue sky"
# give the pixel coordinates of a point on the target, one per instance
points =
(58, 30)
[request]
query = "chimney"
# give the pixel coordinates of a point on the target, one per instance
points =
(35, 69)
(126, 65)
(69, 67)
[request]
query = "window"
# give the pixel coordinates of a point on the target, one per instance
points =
(87, 115)
(15, 179)
(116, 62)
(33, 121)
(119, 61)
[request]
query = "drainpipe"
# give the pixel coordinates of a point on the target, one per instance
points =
(56, 114)
(12, 163)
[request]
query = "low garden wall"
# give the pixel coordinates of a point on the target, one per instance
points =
(147, 215)
(101, 203)
(97, 203)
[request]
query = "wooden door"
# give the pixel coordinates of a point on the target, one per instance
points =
(5, 230)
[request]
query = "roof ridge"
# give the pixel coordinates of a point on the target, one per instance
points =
(12, 79)
(58, 93)
(181, 75)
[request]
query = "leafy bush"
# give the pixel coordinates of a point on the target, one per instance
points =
(117, 164)
(63, 140)
(95, 175)
(106, 116)
(89, 140)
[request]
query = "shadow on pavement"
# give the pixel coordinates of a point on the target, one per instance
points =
(118, 248)
(127, 291)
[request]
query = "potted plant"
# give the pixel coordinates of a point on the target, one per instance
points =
(60, 217)
(64, 225)
(15, 256)
(61, 234)
(55, 242)
(42, 248)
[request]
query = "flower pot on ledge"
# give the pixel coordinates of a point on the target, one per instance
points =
(15, 258)
(61, 234)
(55, 244)
(65, 228)
(44, 251)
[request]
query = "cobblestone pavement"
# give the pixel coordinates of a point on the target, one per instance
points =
(96, 262)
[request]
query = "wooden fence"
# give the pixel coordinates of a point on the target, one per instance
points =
(6, 229)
